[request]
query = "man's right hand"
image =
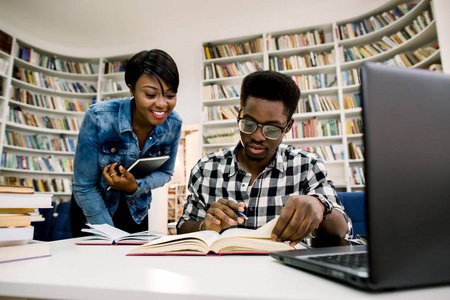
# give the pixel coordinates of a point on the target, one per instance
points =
(222, 215)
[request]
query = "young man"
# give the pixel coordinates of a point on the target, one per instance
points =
(263, 178)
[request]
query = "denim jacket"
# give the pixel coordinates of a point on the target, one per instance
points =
(105, 137)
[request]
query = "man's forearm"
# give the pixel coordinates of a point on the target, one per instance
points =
(189, 226)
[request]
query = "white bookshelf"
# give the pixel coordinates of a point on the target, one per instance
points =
(89, 73)
(335, 87)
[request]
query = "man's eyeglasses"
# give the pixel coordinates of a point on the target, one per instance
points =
(271, 132)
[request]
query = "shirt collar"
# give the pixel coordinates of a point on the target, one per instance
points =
(125, 115)
(277, 163)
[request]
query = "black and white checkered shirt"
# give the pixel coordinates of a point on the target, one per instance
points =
(292, 172)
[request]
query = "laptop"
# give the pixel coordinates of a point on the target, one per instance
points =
(406, 115)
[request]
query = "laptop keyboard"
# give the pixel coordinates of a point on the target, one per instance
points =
(353, 260)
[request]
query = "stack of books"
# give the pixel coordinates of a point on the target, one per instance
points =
(18, 206)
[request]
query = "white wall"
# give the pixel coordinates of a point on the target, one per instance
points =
(112, 27)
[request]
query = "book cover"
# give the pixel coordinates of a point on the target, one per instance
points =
(209, 242)
(145, 166)
(105, 234)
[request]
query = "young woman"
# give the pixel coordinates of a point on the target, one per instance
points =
(114, 134)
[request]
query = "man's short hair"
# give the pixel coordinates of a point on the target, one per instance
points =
(272, 86)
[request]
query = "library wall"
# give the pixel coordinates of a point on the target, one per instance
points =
(170, 25)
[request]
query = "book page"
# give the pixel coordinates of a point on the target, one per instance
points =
(106, 230)
(194, 242)
(264, 231)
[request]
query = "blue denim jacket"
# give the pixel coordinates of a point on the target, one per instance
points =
(105, 137)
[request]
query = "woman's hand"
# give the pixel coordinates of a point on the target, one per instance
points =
(125, 182)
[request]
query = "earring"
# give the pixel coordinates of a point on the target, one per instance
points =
(132, 97)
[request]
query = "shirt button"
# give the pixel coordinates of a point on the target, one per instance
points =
(150, 138)
(113, 150)
(139, 217)
(133, 203)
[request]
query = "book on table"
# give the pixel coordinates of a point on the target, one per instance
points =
(19, 189)
(105, 234)
(11, 236)
(11, 219)
(34, 249)
(209, 242)
(22, 200)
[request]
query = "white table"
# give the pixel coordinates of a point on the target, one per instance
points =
(104, 272)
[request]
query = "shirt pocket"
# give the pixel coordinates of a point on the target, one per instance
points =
(159, 150)
(111, 152)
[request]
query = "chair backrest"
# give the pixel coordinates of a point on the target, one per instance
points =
(354, 203)
(61, 227)
(42, 229)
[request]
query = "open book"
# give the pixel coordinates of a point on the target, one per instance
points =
(209, 242)
(109, 235)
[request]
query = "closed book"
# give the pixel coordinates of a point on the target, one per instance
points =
(11, 236)
(21, 189)
(36, 200)
(8, 220)
(33, 249)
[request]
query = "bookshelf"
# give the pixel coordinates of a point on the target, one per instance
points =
(324, 62)
(176, 199)
(43, 98)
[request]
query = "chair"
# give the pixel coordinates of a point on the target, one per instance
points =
(42, 229)
(61, 228)
(354, 203)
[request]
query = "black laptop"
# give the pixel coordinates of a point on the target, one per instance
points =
(406, 115)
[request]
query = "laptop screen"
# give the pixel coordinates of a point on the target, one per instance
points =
(406, 114)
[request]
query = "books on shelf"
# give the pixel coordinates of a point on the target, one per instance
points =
(303, 61)
(295, 40)
(216, 71)
(226, 50)
(220, 91)
(209, 242)
(109, 235)
(49, 101)
(5, 42)
(52, 62)
(4, 64)
(53, 83)
(34, 249)
(372, 23)
(224, 135)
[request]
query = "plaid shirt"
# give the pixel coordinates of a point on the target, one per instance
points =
(292, 172)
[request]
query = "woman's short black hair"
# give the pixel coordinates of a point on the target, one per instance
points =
(155, 62)
(272, 86)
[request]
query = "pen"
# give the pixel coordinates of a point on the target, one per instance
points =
(241, 215)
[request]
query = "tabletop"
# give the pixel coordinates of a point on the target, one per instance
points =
(105, 272)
